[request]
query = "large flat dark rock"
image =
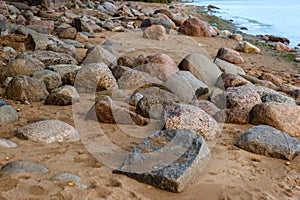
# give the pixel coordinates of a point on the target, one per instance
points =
(170, 160)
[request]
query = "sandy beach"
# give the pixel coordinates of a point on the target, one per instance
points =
(232, 173)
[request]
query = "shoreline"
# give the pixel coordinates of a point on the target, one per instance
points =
(214, 12)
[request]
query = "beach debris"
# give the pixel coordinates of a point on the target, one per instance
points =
(195, 27)
(268, 141)
(25, 88)
(230, 56)
(8, 114)
(247, 47)
(190, 87)
(284, 117)
(63, 96)
(48, 131)
(201, 67)
(155, 32)
(184, 116)
(21, 166)
(170, 160)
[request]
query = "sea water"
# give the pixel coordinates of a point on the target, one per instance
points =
(260, 17)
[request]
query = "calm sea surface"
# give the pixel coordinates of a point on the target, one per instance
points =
(276, 17)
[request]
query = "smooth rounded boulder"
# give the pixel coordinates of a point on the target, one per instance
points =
(195, 27)
(49, 131)
(26, 89)
(284, 117)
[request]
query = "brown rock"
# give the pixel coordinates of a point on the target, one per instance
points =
(247, 47)
(131, 61)
(159, 71)
(162, 59)
(207, 106)
(284, 117)
(24, 88)
(68, 33)
(80, 37)
(270, 77)
(155, 32)
(230, 55)
(232, 116)
(195, 27)
(242, 97)
(227, 80)
(282, 47)
(181, 116)
(48, 24)
(135, 79)
(108, 112)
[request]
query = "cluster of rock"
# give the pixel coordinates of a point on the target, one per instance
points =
(190, 97)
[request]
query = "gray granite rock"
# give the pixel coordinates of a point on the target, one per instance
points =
(98, 54)
(269, 141)
(7, 143)
(135, 79)
(49, 131)
(74, 43)
(228, 67)
(63, 96)
(185, 86)
(21, 66)
(52, 58)
(51, 79)
(153, 100)
(95, 77)
(279, 98)
(108, 111)
(201, 67)
(20, 166)
(171, 160)
(8, 114)
(242, 97)
(24, 88)
(182, 116)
